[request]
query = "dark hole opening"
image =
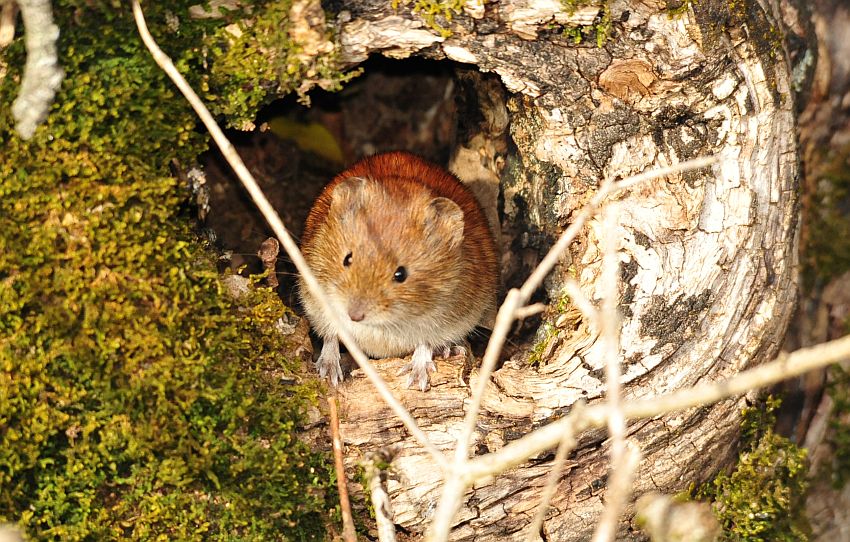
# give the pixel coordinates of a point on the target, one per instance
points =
(430, 108)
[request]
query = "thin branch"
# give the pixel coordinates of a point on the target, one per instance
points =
(567, 444)
(515, 299)
(271, 216)
(8, 14)
(784, 367)
(619, 470)
(374, 466)
(42, 73)
(619, 489)
(10, 533)
(581, 302)
(529, 310)
(454, 487)
(666, 518)
(608, 189)
(349, 534)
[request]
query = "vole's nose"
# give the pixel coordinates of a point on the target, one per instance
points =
(357, 311)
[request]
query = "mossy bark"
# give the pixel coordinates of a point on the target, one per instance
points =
(119, 342)
(138, 399)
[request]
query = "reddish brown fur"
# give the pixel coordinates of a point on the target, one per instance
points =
(397, 215)
(478, 244)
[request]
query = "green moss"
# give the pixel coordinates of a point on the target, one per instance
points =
(763, 498)
(572, 5)
(827, 238)
(839, 424)
(598, 31)
(361, 477)
(676, 8)
(434, 12)
(137, 400)
(265, 60)
(563, 303)
(545, 334)
(767, 39)
(549, 330)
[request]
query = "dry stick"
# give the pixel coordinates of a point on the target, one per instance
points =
(564, 448)
(42, 73)
(581, 302)
(615, 497)
(608, 189)
(454, 485)
(11, 533)
(608, 325)
(529, 310)
(515, 299)
(381, 505)
(271, 216)
(374, 465)
(8, 14)
(784, 367)
(348, 532)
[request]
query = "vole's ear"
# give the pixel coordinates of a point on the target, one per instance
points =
(444, 218)
(349, 196)
(349, 192)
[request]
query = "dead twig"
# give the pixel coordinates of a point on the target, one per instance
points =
(375, 466)
(617, 495)
(784, 367)
(348, 532)
(455, 486)
(566, 445)
(530, 310)
(271, 216)
(42, 73)
(666, 519)
(621, 469)
(8, 14)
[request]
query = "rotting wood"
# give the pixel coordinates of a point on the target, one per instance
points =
(708, 266)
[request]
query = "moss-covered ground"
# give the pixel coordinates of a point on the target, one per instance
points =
(136, 397)
(763, 498)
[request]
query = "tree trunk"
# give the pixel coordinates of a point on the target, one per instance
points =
(708, 258)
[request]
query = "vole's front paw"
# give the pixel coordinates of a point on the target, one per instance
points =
(328, 362)
(330, 369)
(421, 364)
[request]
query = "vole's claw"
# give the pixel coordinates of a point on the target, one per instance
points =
(419, 379)
(328, 362)
(331, 371)
(421, 364)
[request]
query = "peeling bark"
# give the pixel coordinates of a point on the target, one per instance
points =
(709, 259)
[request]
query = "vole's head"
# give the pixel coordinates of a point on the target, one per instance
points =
(388, 251)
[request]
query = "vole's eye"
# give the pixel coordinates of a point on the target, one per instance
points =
(400, 274)
(347, 260)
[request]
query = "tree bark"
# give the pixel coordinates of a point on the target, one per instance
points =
(708, 258)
